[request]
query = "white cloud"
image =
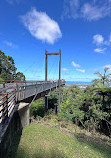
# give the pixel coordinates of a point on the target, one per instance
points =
(41, 26)
(110, 38)
(10, 44)
(38, 70)
(90, 10)
(70, 9)
(11, 2)
(35, 70)
(95, 12)
(66, 73)
(38, 76)
(81, 70)
(64, 69)
(100, 50)
(107, 66)
(75, 65)
(98, 39)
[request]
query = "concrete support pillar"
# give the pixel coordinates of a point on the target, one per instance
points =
(24, 115)
(19, 120)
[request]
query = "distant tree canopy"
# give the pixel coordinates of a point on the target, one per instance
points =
(8, 69)
(89, 108)
(104, 79)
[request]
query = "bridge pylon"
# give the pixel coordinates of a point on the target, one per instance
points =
(46, 60)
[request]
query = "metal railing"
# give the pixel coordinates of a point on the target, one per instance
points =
(7, 104)
(26, 91)
(15, 92)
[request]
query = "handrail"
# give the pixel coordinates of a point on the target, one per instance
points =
(7, 104)
(13, 94)
(17, 81)
(4, 89)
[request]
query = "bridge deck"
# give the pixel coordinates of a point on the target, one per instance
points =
(17, 92)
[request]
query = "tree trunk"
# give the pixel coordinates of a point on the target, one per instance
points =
(103, 99)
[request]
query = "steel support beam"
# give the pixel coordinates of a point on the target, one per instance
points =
(59, 78)
(46, 54)
(46, 101)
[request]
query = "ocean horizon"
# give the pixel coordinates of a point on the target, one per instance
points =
(77, 82)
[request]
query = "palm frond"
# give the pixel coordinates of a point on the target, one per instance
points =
(109, 75)
(98, 74)
(105, 69)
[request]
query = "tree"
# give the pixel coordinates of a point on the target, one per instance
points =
(103, 78)
(8, 69)
(20, 76)
(37, 108)
(70, 109)
(1, 81)
(102, 82)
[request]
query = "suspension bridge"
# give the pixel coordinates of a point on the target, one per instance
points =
(16, 99)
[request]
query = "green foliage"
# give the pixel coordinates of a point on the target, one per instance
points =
(104, 78)
(8, 69)
(20, 76)
(1, 81)
(37, 108)
(85, 107)
(89, 108)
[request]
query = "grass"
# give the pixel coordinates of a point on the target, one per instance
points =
(53, 139)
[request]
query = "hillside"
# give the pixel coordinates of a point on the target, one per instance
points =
(50, 138)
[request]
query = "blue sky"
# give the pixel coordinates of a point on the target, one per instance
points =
(80, 28)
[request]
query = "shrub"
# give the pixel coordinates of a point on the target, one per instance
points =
(2, 81)
(37, 108)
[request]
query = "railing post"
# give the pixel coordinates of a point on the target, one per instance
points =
(15, 96)
(5, 104)
(17, 93)
(36, 87)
